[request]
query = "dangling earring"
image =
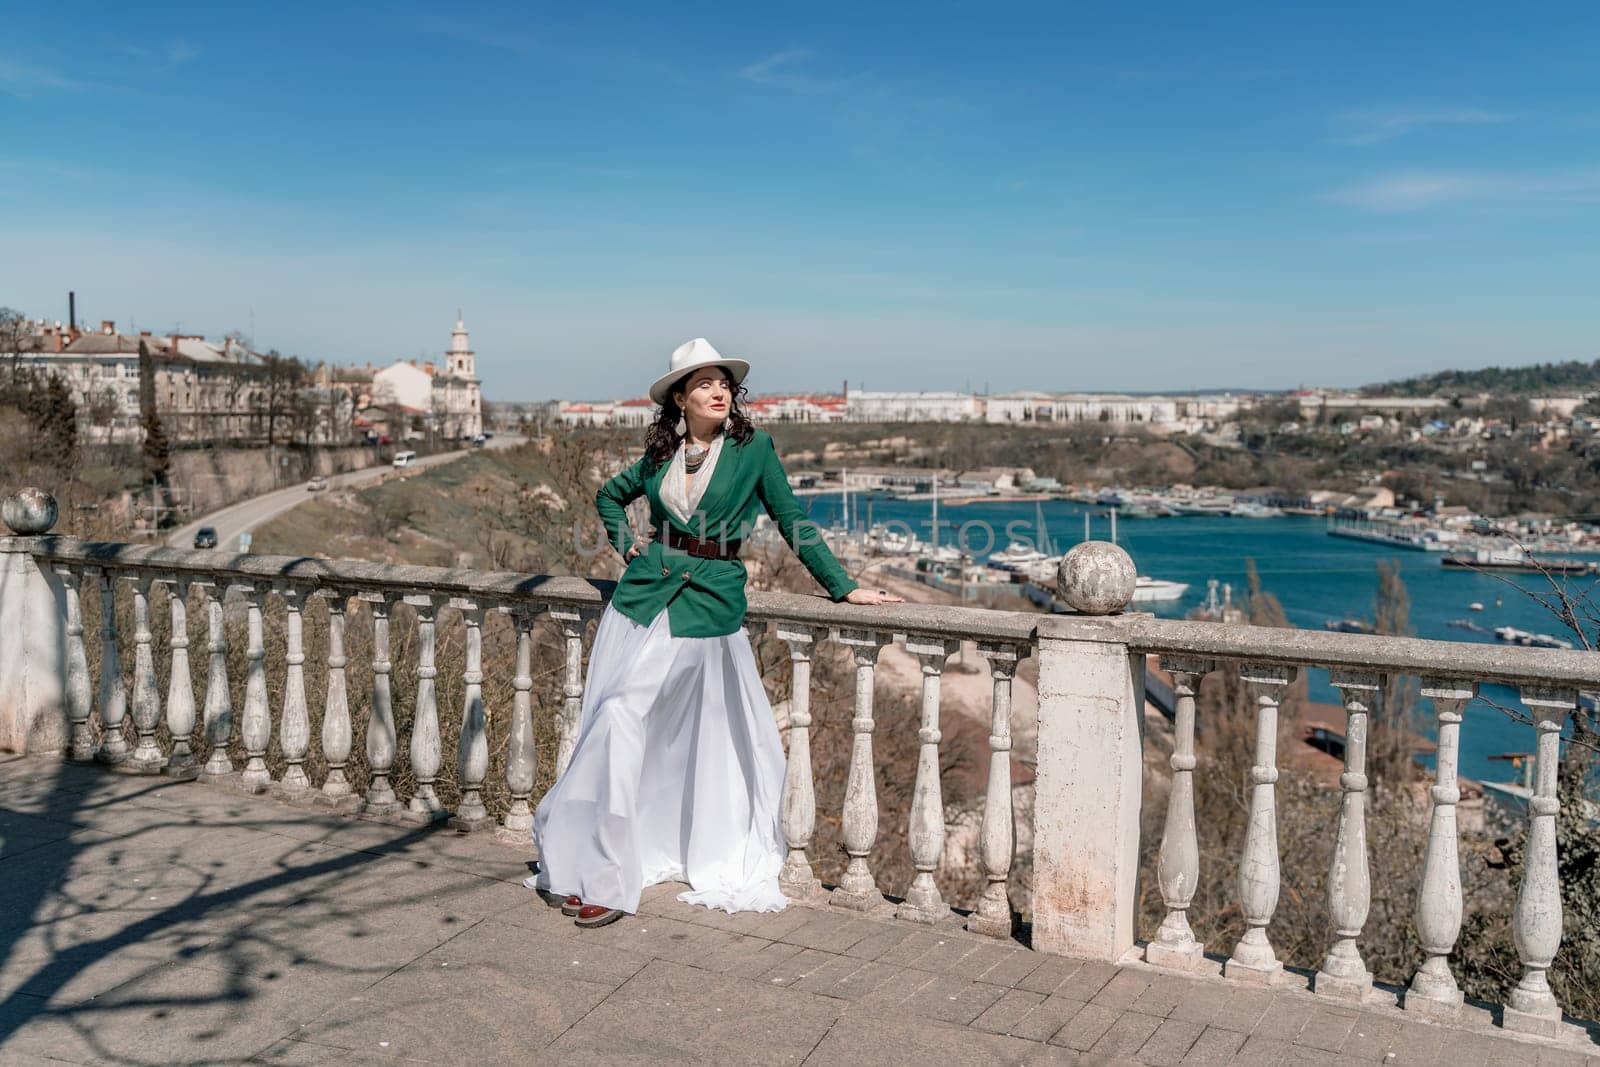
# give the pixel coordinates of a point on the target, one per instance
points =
(681, 427)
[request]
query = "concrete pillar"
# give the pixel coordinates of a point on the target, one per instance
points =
(33, 634)
(1088, 779)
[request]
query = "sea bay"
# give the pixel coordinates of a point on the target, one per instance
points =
(1314, 576)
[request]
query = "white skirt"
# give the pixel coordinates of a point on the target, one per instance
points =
(676, 776)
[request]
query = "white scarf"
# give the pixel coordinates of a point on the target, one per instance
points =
(677, 494)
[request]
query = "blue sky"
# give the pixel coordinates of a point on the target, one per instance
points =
(908, 196)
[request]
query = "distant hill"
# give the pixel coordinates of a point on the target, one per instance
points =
(1571, 378)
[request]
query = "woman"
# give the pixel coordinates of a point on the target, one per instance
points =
(678, 768)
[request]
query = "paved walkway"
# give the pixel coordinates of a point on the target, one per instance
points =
(148, 922)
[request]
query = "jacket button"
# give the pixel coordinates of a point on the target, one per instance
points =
(685, 576)
(665, 571)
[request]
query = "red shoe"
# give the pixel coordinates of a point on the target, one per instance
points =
(597, 915)
(571, 906)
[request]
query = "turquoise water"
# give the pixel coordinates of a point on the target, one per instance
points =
(1314, 576)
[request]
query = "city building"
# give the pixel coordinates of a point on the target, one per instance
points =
(447, 397)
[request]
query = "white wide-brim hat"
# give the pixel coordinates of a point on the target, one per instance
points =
(691, 356)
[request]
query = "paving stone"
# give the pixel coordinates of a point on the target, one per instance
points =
(1051, 972)
(1266, 1052)
(949, 955)
(1086, 1027)
(176, 1014)
(672, 1013)
(983, 957)
(1123, 989)
(952, 999)
(1013, 966)
(1327, 1028)
(1553, 1056)
(1225, 1005)
(1170, 1043)
(1010, 1009)
(823, 979)
(1372, 1037)
(1215, 1046)
(1284, 1018)
(790, 971)
(1164, 993)
(868, 977)
(895, 990)
(763, 959)
(881, 1040)
(1048, 1017)
(829, 933)
(882, 938)
(1417, 1043)
(910, 949)
(1126, 1036)
(1086, 982)
(292, 1052)
(776, 925)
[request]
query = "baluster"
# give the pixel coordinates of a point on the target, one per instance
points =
(218, 721)
(294, 726)
(180, 683)
(925, 828)
(113, 692)
(1433, 988)
(255, 725)
(79, 690)
(571, 621)
(1178, 868)
(858, 889)
(380, 717)
(1343, 973)
(424, 806)
(337, 738)
(998, 834)
(147, 757)
(1536, 922)
(521, 756)
(798, 807)
(472, 752)
(1253, 958)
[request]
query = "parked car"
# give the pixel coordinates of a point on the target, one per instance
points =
(478, 441)
(317, 484)
(404, 459)
(205, 537)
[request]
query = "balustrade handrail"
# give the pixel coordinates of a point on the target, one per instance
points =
(1510, 665)
(1423, 657)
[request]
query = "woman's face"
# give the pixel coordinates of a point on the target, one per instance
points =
(708, 397)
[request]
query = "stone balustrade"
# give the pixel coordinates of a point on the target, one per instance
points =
(1088, 776)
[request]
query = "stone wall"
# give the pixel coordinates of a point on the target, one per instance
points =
(211, 478)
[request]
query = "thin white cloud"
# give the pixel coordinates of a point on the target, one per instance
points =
(1375, 126)
(1420, 190)
(22, 79)
(781, 70)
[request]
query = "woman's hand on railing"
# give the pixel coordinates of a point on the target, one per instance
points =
(860, 595)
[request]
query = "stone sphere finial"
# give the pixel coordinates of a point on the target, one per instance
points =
(1096, 578)
(29, 512)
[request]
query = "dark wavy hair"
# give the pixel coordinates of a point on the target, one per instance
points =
(662, 439)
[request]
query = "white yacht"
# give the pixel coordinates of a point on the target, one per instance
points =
(1148, 590)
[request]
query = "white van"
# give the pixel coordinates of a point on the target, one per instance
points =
(404, 459)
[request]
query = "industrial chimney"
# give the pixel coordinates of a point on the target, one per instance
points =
(72, 310)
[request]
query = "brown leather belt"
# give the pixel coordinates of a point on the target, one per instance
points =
(709, 549)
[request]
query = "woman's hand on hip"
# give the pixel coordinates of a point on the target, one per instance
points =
(861, 595)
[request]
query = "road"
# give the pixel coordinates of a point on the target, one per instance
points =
(235, 519)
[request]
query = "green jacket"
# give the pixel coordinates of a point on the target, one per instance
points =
(705, 597)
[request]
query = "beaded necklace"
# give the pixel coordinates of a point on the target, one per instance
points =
(694, 456)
